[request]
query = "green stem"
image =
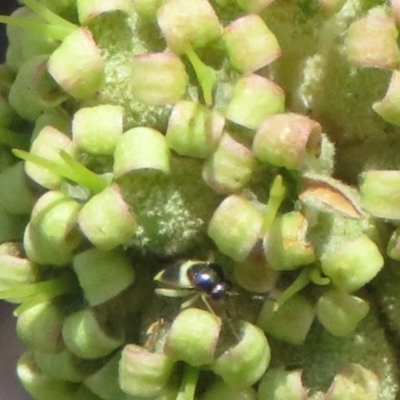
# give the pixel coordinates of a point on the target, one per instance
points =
(189, 382)
(49, 16)
(205, 74)
(301, 282)
(276, 196)
(36, 293)
(54, 32)
(72, 170)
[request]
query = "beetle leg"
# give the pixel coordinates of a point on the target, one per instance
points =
(173, 292)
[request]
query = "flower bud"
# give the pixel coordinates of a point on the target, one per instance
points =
(104, 382)
(285, 140)
(281, 384)
(388, 107)
(65, 366)
(290, 322)
(142, 373)
(85, 337)
(372, 42)
(193, 130)
(254, 99)
(89, 9)
(354, 382)
(244, 364)
(249, 44)
(352, 264)
(254, 274)
(235, 227)
(147, 9)
(95, 130)
(106, 219)
(182, 23)
(222, 391)
(193, 337)
(158, 78)
(77, 66)
(39, 327)
(34, 86)
(54, 215)
(285, 243)
(141, 148)
(16, 197)
(25, 43)
(38, 384)
(380, 193)
(340, 312)
(103, 274)
(48, 144)
(230, 167)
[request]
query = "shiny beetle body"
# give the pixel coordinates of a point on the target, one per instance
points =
(193, 278)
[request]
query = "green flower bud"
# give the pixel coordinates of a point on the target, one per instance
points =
(290, 322)
(147, 9)
(354, 382)
(285, 140)
(281, 384)
(96, 130)
(55, 215)
(222, 391)
(77, 66)
(51, 236)
(141, 148)
(193, 130)
(254, 274)
(254, 99)
(230, 167)
(57, 118)
(353, 264)
(104, 382)
(193, 337)
(235, 227)
(103, 274)
(106, 219)
(340, 312)
(48, 144)
(24, 96)
(16, 270)
(64, 366)
(188, 23)
(38, 384)
(371, 42)
(87, 338)
(42, 249)
(89, 9)
(380, 193)
(285, 243)
(142, 373)
(39, 327)
(250, 45)
(25, 43)
(158, 78)
(388, 107)
(16, 197)
(244, 364)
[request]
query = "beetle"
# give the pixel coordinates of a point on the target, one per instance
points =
(199, 279)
